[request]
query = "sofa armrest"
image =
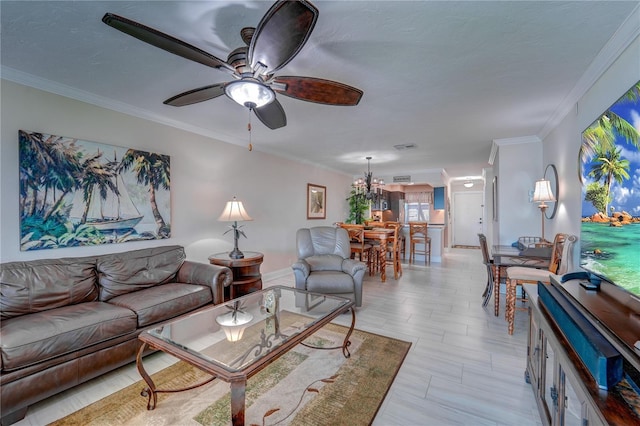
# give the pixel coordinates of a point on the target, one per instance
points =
(218, 277)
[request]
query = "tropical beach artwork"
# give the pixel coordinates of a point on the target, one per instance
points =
(81, 193)
(610, 173)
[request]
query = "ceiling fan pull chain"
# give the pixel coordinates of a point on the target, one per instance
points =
(249, 129)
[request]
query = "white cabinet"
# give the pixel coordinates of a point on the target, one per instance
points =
(563, 391)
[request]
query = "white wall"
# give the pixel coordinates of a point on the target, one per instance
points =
(205, 174)
(517, 170)
(561, 146)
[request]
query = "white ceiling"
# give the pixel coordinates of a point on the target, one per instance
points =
(447, 76)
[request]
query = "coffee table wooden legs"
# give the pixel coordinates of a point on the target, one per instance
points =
(151, 392)
(238, 388)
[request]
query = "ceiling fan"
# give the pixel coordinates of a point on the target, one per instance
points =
(279, 36)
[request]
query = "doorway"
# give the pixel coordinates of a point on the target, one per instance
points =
(468, 210)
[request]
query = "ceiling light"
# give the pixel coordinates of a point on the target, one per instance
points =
(369, 183)
(249, 92)
(468, 184)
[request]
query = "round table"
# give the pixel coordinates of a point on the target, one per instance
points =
(246, 272)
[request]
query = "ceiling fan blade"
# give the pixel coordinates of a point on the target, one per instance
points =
(281, 33)
(165, 42)
(319, 90)
(272, 115)
(196, 95)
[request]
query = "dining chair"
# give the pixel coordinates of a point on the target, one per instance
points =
(561, 263)
(391, 250)
(418, 236)
(394, 254)
(488, 262)
(358, 245)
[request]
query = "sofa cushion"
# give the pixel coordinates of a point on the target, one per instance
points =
(38, 285)
(30, 339)
(164, 302)
(331, 282)
(122, 273)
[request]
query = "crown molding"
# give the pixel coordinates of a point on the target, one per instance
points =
(30, 80)
(497, 143)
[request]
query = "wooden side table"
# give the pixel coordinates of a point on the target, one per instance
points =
(246, 273)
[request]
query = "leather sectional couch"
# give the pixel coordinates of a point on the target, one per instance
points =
(65, 321)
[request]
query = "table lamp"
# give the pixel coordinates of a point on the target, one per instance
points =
(234, 212)
(541, 194)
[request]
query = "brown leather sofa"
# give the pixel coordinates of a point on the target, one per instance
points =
(65, 321)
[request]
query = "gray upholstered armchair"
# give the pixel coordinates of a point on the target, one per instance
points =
(324, 264)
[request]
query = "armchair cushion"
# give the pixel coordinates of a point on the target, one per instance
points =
(330, 282)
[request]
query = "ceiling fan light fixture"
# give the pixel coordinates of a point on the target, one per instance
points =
(249, 93)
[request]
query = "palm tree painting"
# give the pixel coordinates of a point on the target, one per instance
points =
(609, 161)
(80, 193)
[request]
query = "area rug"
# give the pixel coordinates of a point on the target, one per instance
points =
(303, 387)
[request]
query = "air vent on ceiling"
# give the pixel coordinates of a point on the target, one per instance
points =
(403, 146)
(401, 179)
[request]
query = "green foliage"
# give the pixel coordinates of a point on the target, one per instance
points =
(358, 206)
(609, 167)
(39, 234)
(597, 195)
(37, 227)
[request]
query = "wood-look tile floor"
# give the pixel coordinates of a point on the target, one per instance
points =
(463, 367)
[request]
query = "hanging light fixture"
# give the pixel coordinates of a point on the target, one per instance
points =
(369, 184)
(249, 92)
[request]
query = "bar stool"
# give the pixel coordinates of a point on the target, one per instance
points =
(418, 235)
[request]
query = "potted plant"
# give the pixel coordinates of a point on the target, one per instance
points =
(358, 206)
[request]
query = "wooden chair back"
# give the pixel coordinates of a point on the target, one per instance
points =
(417, 230)
(356, 233)
(485, 249)
(556, 253)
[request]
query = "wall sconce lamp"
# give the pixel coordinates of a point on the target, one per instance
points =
(234, 212)
(541, 194)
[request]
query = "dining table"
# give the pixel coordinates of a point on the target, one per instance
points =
(382, 236)
(505, 256)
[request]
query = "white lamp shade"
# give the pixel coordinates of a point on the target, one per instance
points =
(249, 93)
(543, 192)
(234, 212)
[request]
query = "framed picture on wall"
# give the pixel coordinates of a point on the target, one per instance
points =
(77, 193)
(316, 201)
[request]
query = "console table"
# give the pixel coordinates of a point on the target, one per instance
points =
(246, 273)
(566, 391)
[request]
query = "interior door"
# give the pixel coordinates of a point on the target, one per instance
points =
(467, 212)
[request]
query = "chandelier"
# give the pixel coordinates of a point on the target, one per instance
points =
(369, 184)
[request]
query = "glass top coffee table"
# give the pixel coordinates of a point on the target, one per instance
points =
(235, 340)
